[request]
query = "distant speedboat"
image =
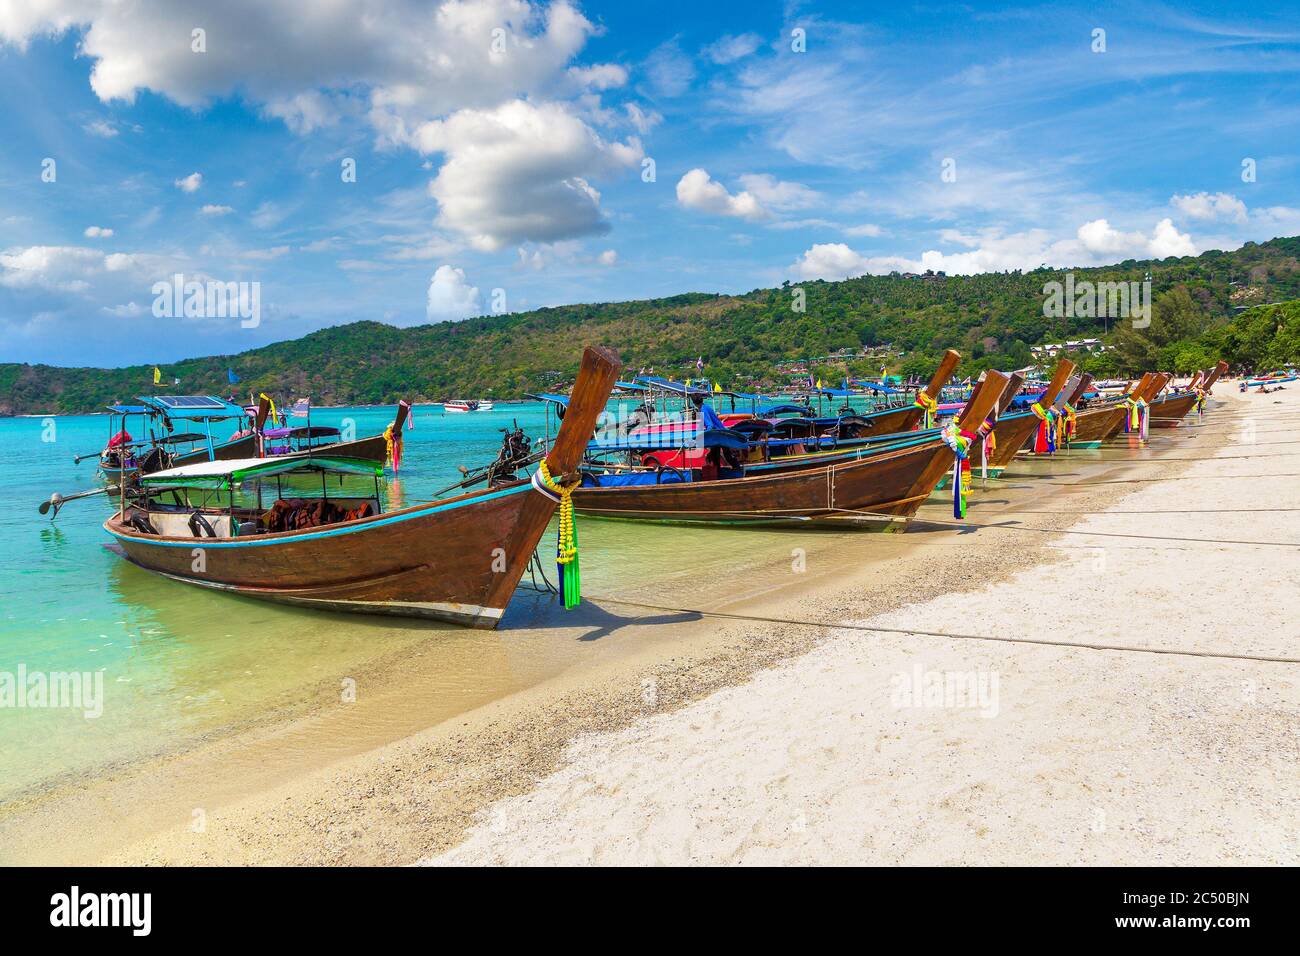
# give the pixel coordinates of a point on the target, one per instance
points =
(472, 405)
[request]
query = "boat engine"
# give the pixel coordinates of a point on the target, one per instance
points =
(516, 451)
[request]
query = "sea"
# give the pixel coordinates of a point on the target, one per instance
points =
(158, 666)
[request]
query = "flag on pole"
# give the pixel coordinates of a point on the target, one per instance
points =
(301, 408)
(717, 387)
(231, 377)
(699, 363)
(157, 375)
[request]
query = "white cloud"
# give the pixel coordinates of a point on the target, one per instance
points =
(608, 258)
(1168, 241)
(265, 255)
(190, 183)
(669, 70)
(1094, 243)
(76, 269)
(602, 76)
(451, 296)
(98, 232)
(266, 215)
(426, 75)
(215, 210)
(642, 120)
(776, 194)
(866, 229)
(102, 128)
(521, 172)
(126, 311)
(409, 56)
(729, 49)
(697, 190)
(1205, 205)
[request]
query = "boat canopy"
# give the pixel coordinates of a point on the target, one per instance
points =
(667, 386)
(784, 410)
(192, 408)
(836, 392)
(561, 400)
(222, 474)
(688, 436)
(128, 409)
(631, 387)
(877, 387)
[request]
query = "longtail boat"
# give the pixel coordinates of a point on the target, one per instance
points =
(885, 484)
(1025, 428)
(1168, 410)
(1102, 420)
(458, 559)
(160, 451)
(922, 412)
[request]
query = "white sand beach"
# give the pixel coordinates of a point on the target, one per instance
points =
(1071, 755)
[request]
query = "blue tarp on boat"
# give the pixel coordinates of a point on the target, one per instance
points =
(632, 478)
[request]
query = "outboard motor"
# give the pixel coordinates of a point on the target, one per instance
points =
(516, 450)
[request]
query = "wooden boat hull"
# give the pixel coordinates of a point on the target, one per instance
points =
(1092, 426)
(1010, 435)
(457, 561)
(1169, 412)
(889, 486)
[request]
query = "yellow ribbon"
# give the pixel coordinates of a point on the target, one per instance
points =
(930, 405)
(567, 544)
(270, 403)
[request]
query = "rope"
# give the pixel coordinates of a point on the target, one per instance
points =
(1094, 534)
(1042, 642)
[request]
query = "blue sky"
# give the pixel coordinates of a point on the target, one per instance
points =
(502, 153)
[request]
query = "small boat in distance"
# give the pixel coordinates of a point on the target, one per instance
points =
(457, 406)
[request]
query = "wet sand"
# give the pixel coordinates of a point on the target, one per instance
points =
(515, 763)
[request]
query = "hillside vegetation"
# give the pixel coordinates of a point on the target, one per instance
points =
(993, 319)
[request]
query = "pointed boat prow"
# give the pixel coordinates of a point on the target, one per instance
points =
(947, 365)
(1064, 369)
(596, 376)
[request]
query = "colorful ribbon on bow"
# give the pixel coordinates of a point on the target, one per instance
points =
(929, 405)
(566, 540)
(959, 440)
(1045, 439)
(1135, 416)
(1200, 401)
(393, 447)
(1069, 421)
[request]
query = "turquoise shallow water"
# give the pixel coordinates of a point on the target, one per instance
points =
(177, 662)
(181, 665)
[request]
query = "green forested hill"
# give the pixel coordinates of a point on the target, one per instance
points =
(992, 319)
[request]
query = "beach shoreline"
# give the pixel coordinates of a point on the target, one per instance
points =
(423, 793)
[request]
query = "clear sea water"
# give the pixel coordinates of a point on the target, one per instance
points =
(183, 666)
(178, 662)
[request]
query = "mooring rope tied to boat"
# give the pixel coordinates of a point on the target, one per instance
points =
(1040, 642)
(1011, 479)
(1100, 534)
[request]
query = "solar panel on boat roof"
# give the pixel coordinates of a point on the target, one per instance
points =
(189, 401)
